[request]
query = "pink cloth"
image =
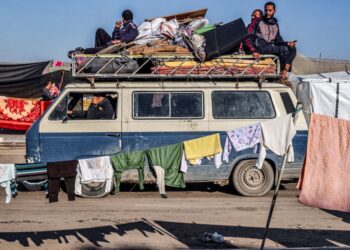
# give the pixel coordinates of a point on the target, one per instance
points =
(325, 177)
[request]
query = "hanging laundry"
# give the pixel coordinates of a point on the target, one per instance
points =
(160, 173)
(7, 174)
(241, 139)
(58, 170)
(325, 178)
(20, 114)
(127, 161)
(277, 135)
(97, 169)
(183, 166)
(168, 158)
(207, 146)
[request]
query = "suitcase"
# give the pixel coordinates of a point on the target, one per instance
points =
(224, 38)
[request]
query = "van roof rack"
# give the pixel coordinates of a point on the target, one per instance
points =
(172, 67)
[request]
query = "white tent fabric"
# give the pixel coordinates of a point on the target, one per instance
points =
(326, 101)
(319, 93)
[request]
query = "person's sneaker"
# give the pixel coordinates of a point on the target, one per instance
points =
(164, 196)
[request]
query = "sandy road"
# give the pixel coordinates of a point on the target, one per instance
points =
(142, 220)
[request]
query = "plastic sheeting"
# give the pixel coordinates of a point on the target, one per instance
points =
(319, 93)
(27, 80)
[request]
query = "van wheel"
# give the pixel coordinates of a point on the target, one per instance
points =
(248, 180)
(94, 190)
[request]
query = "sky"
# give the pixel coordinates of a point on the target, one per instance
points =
(38, 30)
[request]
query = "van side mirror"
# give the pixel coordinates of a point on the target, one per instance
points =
(65, 119)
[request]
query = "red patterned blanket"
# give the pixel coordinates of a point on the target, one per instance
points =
(20, 114)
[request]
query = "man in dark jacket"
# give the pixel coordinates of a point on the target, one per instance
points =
(100, 108)
(266, 39)
(126, 33)
(122, 34)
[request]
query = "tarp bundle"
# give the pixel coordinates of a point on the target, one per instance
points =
(27, 80)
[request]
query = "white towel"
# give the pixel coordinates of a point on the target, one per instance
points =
(95, 169)
(277, 135)
(7, 173)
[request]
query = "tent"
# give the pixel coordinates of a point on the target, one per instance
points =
(20, 87)
(26, 80)
(327, 94)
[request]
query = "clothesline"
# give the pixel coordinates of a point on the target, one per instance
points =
(174, 158)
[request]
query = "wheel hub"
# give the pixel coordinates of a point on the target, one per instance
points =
(253, 177)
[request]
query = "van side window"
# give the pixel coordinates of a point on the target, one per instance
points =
(242, 105)
(186, 105)
(151, 105)
(169, 105)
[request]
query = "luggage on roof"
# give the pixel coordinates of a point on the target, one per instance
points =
(168, 66)
(178, 46)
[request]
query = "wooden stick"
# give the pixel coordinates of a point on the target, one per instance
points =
(274, 198)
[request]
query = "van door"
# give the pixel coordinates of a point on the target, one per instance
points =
(63, 137)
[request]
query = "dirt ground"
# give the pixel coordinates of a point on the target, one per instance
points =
(143, 220)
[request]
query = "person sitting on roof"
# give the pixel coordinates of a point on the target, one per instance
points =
(121, 34)
(247, 45)
(267, 40)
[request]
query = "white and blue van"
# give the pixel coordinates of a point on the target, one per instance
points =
(155, 113)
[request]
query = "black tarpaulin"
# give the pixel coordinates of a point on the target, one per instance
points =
(27, 80)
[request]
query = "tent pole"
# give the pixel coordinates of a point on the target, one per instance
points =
(274, 198)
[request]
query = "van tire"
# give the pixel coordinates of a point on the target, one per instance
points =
(94, 190)
(248, 180)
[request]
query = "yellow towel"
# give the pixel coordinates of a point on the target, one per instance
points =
(207, 146)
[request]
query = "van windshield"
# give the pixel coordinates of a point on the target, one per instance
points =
(60, 110)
